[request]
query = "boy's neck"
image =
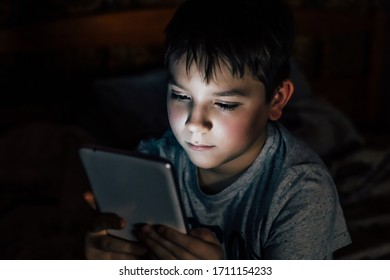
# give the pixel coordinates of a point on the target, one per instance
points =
(212, 182)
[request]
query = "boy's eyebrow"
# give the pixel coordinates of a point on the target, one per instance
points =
(171, 80)
(232, 92)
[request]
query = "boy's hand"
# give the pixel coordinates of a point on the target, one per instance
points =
(99, 245)
(159, 242)
(167, 243)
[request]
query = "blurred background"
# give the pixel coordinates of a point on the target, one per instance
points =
(91, 72)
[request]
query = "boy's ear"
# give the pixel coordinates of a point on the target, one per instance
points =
(280, 99)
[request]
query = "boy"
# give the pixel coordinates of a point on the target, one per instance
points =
(250, 190)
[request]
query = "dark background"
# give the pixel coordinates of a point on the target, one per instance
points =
(51, 104)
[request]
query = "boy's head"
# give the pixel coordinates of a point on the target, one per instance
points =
(228, 64)
(247, 35)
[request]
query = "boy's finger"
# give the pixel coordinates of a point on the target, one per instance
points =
(201, 243)
(104, 221)
(205, 234)
(90, 199)
(114, 244)
(95, 248)
(163, 248)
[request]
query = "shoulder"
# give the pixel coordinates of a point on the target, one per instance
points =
(296, 151)
(304, 210)
(301, 170)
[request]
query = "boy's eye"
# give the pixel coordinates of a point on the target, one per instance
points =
(227, 106)
(179, 97)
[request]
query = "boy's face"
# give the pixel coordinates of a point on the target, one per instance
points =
(221, 124)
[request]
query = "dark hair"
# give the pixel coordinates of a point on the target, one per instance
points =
(244, 34)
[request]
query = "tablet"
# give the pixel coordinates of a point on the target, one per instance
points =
(137, 187)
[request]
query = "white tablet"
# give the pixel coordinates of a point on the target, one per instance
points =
(139, 188)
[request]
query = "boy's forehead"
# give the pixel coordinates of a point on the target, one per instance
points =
(222, 72)
(223, 80)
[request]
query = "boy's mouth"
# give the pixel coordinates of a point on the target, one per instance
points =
(199, 147)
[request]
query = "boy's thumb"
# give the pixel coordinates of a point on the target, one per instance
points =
(90, 199)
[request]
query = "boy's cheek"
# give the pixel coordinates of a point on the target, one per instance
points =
(237, 131)
(176, 115)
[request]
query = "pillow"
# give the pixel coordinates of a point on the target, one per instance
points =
(317, 122)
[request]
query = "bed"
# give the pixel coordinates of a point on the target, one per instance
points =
(42, 212)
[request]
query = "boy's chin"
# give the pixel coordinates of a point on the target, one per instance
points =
(203, 163)
(206, 162)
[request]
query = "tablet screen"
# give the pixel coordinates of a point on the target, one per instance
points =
(136, 187)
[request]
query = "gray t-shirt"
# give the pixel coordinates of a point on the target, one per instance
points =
(284, 206)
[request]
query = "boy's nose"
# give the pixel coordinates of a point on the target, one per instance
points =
(198, 121)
